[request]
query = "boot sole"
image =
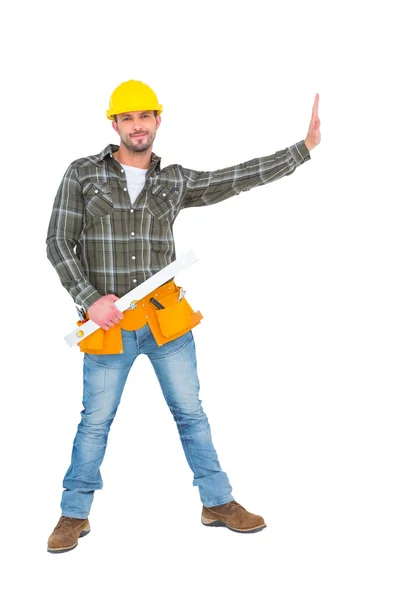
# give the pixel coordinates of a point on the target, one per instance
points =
(218, 523)
(68, 548)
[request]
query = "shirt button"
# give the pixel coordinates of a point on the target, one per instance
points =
(131, 209)
(133, 257)
(134, 281)
(132, 233)
(122, 170)
(164, 194)
(96, 191)
(125, 189)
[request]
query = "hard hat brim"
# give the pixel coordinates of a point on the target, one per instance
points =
(110, 114)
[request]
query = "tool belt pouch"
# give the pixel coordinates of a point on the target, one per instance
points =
(94, 341)
(175, 318)
(103, 342)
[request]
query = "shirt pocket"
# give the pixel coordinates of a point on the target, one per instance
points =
(98, 200)
(162, 199)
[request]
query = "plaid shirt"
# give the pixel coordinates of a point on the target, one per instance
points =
(99, 243)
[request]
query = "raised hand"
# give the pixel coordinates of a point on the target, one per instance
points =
(313, 137)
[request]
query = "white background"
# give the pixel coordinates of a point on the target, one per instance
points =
(298, 351)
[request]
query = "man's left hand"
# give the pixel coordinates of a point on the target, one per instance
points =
(313, 137)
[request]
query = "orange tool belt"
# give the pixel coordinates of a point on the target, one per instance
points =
(166, 324)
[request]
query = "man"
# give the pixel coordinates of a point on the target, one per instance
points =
(110, 230)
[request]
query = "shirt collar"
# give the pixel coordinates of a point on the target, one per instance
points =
(108, 152)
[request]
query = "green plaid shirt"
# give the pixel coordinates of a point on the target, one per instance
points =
(99, 243)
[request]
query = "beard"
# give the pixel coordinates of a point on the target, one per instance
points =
(140, 145)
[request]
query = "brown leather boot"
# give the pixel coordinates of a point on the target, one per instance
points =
(232, 515)
(66, 534)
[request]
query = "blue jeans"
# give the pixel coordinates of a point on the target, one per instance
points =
(104, 379)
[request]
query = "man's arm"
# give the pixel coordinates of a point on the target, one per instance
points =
(208, 187)
(65, 227)
(204, 188)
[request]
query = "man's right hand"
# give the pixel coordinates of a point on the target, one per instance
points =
(104, 312)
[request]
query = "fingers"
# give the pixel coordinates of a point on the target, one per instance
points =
(115, 315)
(315, 107)
(107, 319)
(110, 320)
(100, 322)
(104, 312)
(114, 320)
(118, 313)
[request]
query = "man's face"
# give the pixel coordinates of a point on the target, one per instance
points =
(137, 130)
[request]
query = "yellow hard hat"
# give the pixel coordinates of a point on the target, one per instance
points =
(131, 96)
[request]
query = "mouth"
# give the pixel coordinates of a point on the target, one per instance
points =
(139, 135)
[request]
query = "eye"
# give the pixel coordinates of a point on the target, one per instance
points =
(145, 116)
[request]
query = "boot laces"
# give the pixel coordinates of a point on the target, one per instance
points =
(65, 521)
(232, 505)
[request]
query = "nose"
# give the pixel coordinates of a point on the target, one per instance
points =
(136, 124)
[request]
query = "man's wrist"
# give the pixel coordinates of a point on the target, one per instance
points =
(309, 145)
(88, 297)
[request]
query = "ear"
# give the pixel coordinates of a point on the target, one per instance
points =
(158, 120)
(115, 126)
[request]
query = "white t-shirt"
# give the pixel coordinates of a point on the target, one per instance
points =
(135, 179)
